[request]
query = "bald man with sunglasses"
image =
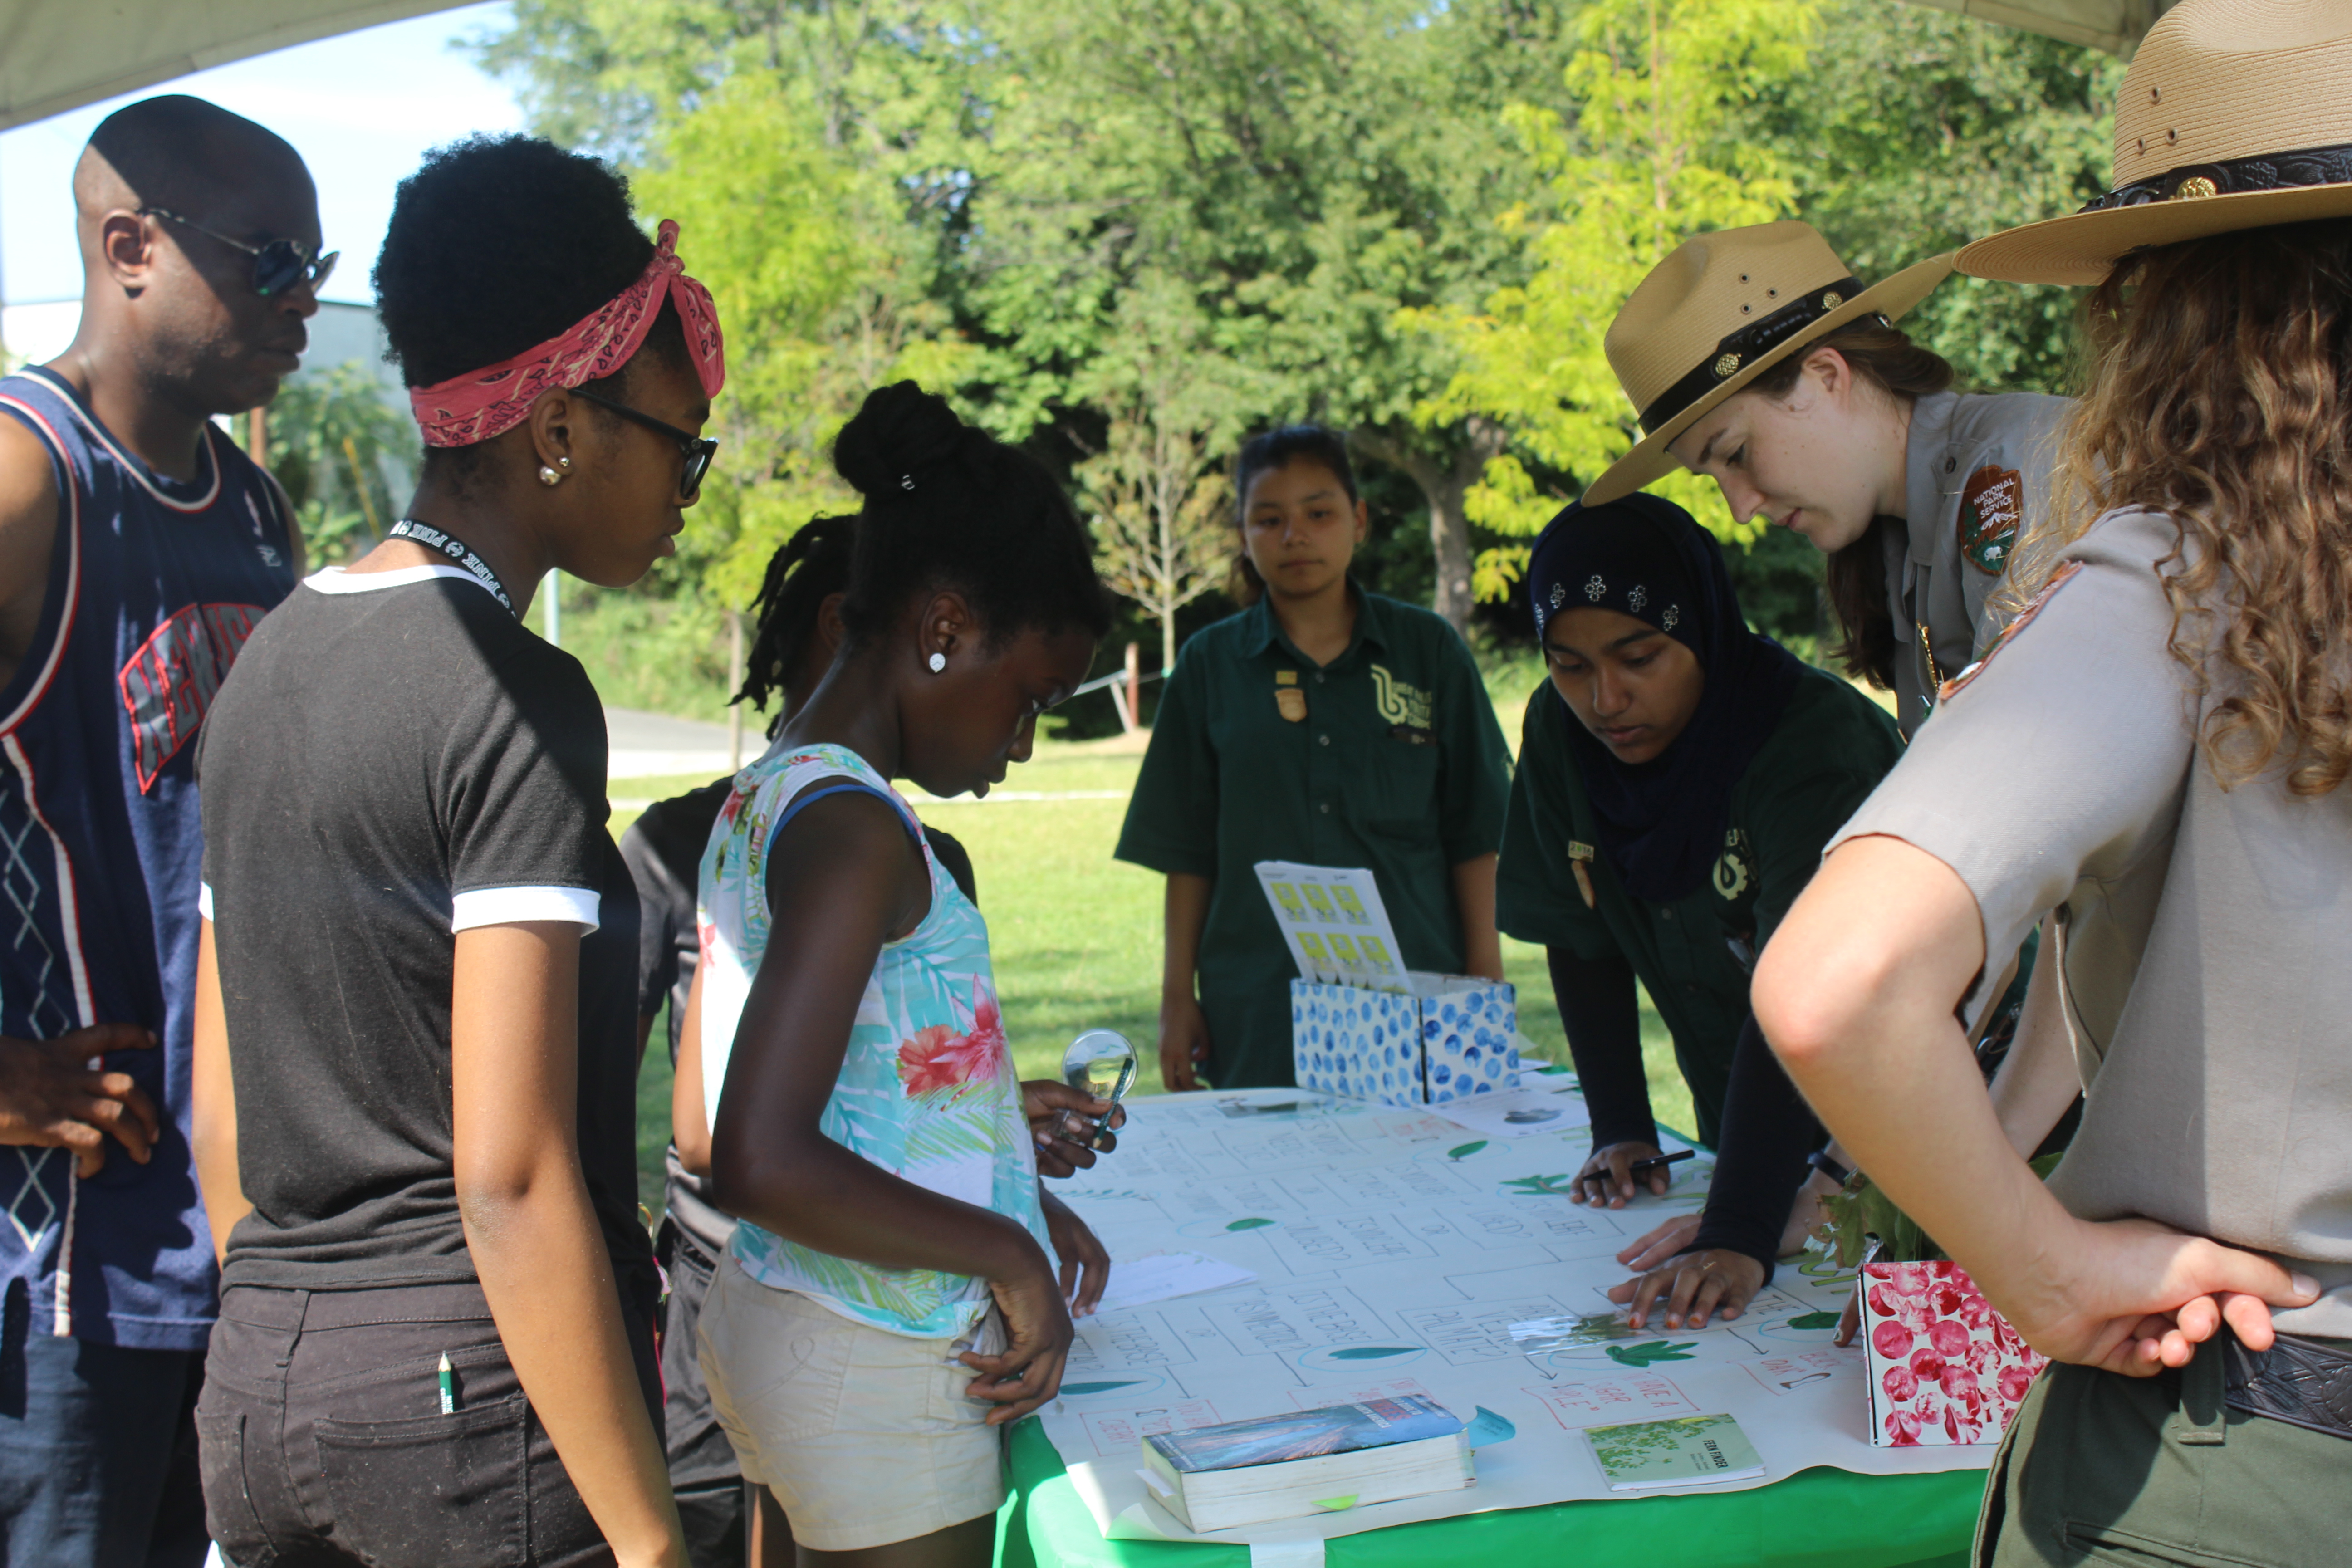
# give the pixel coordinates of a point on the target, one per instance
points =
(138, 547)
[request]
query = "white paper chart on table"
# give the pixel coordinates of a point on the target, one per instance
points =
(1394, 1248)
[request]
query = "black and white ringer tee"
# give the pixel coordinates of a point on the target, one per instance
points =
(395, 760)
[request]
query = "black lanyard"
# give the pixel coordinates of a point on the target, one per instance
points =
(457, 550)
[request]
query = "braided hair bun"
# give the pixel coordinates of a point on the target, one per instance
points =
(950, 506)
(899, 429)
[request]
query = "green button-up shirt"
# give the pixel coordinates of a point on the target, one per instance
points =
(1693, 955)
(1393, 761)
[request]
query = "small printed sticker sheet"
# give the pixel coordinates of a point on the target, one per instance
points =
(1335, 925)
(1394, 1250)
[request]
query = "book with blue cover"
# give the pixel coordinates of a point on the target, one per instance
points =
(1315, 1461)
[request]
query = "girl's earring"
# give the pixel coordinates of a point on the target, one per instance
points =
(939, 661)
(548, 476)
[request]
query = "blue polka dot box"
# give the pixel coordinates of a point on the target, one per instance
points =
(1451, 1038)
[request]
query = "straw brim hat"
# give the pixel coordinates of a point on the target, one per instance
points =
(1678, 306)
(2235, 114)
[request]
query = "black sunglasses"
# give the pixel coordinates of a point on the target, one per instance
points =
(278, 266)
(699, 450)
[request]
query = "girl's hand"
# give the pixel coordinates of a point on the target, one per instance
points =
(1668, 1240)
(1085, 1265)
(2135, 1297)
(1028, 1371)
(1693, 1286)
(1608, 1174)
(1062, 1122)
(1183, 1042)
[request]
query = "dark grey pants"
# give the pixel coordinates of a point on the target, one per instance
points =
(2151, 1472)
(323, 1444)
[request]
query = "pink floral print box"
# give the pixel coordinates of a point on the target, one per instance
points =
(1944, 1366)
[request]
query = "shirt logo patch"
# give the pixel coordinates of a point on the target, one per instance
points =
(1735, 872)
(1961, 681)
(1992, 506)
(1409, 706)
(170, 682)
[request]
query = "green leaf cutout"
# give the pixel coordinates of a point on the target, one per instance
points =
(1372, 1352)
(1650, 1351)
(1252, 1224)
(1557, 1187)
(1465, 1151)
(1815, 1320)
(1071, 1390)
(1334, 1504)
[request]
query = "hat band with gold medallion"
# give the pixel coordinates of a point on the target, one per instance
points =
(1742, 347)
(2234, 176)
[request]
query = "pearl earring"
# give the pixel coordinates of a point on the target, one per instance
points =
(548, 476)
(939, 662)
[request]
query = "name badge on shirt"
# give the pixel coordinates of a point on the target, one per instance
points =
(1579, 854)
(1290, 701)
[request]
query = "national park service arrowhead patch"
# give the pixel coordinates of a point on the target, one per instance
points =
(1992, 506)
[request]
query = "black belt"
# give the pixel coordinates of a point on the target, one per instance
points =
(2306, 1383)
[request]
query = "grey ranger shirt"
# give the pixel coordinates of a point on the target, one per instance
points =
(2206, 940)
(1980, 474)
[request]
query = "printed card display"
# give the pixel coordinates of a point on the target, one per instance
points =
(1445, 1039)
(1945, 1368)
(1335, 925)
(1645, 1456)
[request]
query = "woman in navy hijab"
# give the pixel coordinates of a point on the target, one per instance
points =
(1679, 776)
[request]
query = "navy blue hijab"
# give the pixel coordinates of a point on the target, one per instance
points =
(1661, 822)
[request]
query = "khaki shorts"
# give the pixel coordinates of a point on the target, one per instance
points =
(866, 1437)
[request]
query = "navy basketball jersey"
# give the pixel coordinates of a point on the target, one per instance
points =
(154, 587)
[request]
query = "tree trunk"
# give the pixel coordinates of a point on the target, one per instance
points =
(1445, 479)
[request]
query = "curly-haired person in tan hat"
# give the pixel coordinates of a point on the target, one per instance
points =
(2164, 729)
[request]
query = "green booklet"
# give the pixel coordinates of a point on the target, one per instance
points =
(1687, 1450)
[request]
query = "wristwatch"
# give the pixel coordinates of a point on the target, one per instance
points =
(1820, 1160)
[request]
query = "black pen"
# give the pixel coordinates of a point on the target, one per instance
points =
(1658, 1161)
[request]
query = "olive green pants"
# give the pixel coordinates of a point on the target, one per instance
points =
(2143, 1472)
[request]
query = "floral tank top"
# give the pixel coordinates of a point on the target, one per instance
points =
(926, 1088)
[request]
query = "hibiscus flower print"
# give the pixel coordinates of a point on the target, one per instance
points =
(938, 1062)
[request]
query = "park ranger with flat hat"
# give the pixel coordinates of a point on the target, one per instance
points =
(1754, 358)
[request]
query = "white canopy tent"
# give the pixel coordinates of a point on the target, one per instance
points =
(2115, 26)
(57, 55)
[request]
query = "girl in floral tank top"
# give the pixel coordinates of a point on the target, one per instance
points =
(926, 1088)
(890, 1300)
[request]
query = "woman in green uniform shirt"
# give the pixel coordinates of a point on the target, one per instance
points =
(1678, 780)
(1322, 724)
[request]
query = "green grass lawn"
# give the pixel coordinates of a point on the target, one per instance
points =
(1075, 935)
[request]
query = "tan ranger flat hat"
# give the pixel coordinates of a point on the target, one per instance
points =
(2234, 114)
(1719, 312)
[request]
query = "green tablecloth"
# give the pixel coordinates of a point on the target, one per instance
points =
(1819, 1517)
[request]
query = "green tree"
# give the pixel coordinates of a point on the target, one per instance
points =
(1913, 131)
(338, 447)
(1303, 169)
(1654, 154)
(1162, 526)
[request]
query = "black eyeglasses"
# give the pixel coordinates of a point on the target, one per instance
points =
(699, 450)
(278, 266)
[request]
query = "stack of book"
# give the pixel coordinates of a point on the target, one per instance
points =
(1317, 1461)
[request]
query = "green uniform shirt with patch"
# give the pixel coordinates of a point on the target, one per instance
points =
(1394, 762)
(1828, 753)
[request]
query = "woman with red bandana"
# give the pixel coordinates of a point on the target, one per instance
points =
(416, 1018)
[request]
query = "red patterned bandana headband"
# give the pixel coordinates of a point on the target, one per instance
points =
(482, 404)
